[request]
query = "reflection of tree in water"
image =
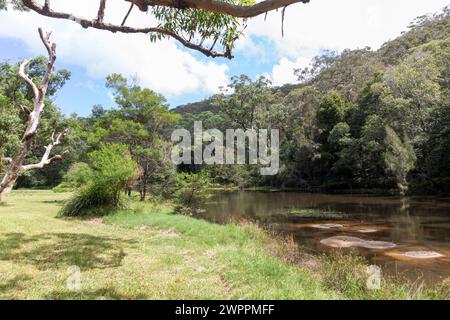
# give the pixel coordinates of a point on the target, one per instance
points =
(410, 224)
(405, 219)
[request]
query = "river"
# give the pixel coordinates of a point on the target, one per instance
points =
(412, 224)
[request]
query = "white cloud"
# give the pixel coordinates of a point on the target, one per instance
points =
(283, 72)
(329, 24)
(161, 66)
(336, 25)
(164, 67)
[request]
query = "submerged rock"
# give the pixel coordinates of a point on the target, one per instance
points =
(366, 230)
(423, 254)
(347, 242)
(327, 226)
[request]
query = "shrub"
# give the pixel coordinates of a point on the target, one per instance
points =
(78, 176)
(111, 170)
(192, 191)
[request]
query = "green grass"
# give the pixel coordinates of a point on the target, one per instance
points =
(237, 255)
(150, 253)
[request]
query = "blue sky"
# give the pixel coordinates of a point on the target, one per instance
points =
(184, 76)
(83, 91)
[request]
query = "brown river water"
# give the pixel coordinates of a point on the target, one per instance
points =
(411, 223)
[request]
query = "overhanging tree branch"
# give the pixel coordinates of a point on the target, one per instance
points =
(99, 24)
(217, 6)
(212, 6)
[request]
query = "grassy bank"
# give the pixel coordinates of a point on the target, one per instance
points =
(151, 253)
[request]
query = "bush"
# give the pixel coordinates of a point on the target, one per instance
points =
(192, 191)
(111, 170)
(78, 176)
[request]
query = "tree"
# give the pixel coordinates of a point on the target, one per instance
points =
(412, 90)
(247, 101)
(10, 125)
(141, 123)
(332, 110)
(16, 101)
(345, 72)
(79, 175)
(192, 191)
(400, 158)
(373, 147)
(436, 162)
(16, 162)
(197, 24)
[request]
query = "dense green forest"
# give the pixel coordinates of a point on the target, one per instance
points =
(359, 119)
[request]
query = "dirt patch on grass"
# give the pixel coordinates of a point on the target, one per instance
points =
(95, 220)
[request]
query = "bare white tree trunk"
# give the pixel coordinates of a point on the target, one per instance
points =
(16, 165)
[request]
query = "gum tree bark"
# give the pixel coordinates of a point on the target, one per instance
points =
(16, 163)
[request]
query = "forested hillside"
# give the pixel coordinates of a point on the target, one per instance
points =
(359, 119)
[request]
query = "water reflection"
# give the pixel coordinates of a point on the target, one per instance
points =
(417, 223)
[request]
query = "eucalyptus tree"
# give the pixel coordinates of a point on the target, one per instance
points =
(142, 123)
(39, 85)
(244, 100)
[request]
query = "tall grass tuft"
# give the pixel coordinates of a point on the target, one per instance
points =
(347, 273)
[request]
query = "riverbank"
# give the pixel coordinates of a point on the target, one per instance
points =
(150, 253)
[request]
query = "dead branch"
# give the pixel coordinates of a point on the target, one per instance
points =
(46, 159)
(51, 50)
(24, 77)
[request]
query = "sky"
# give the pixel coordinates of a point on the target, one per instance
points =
(184, 76)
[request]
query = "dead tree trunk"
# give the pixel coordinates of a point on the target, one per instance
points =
(16, 165)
